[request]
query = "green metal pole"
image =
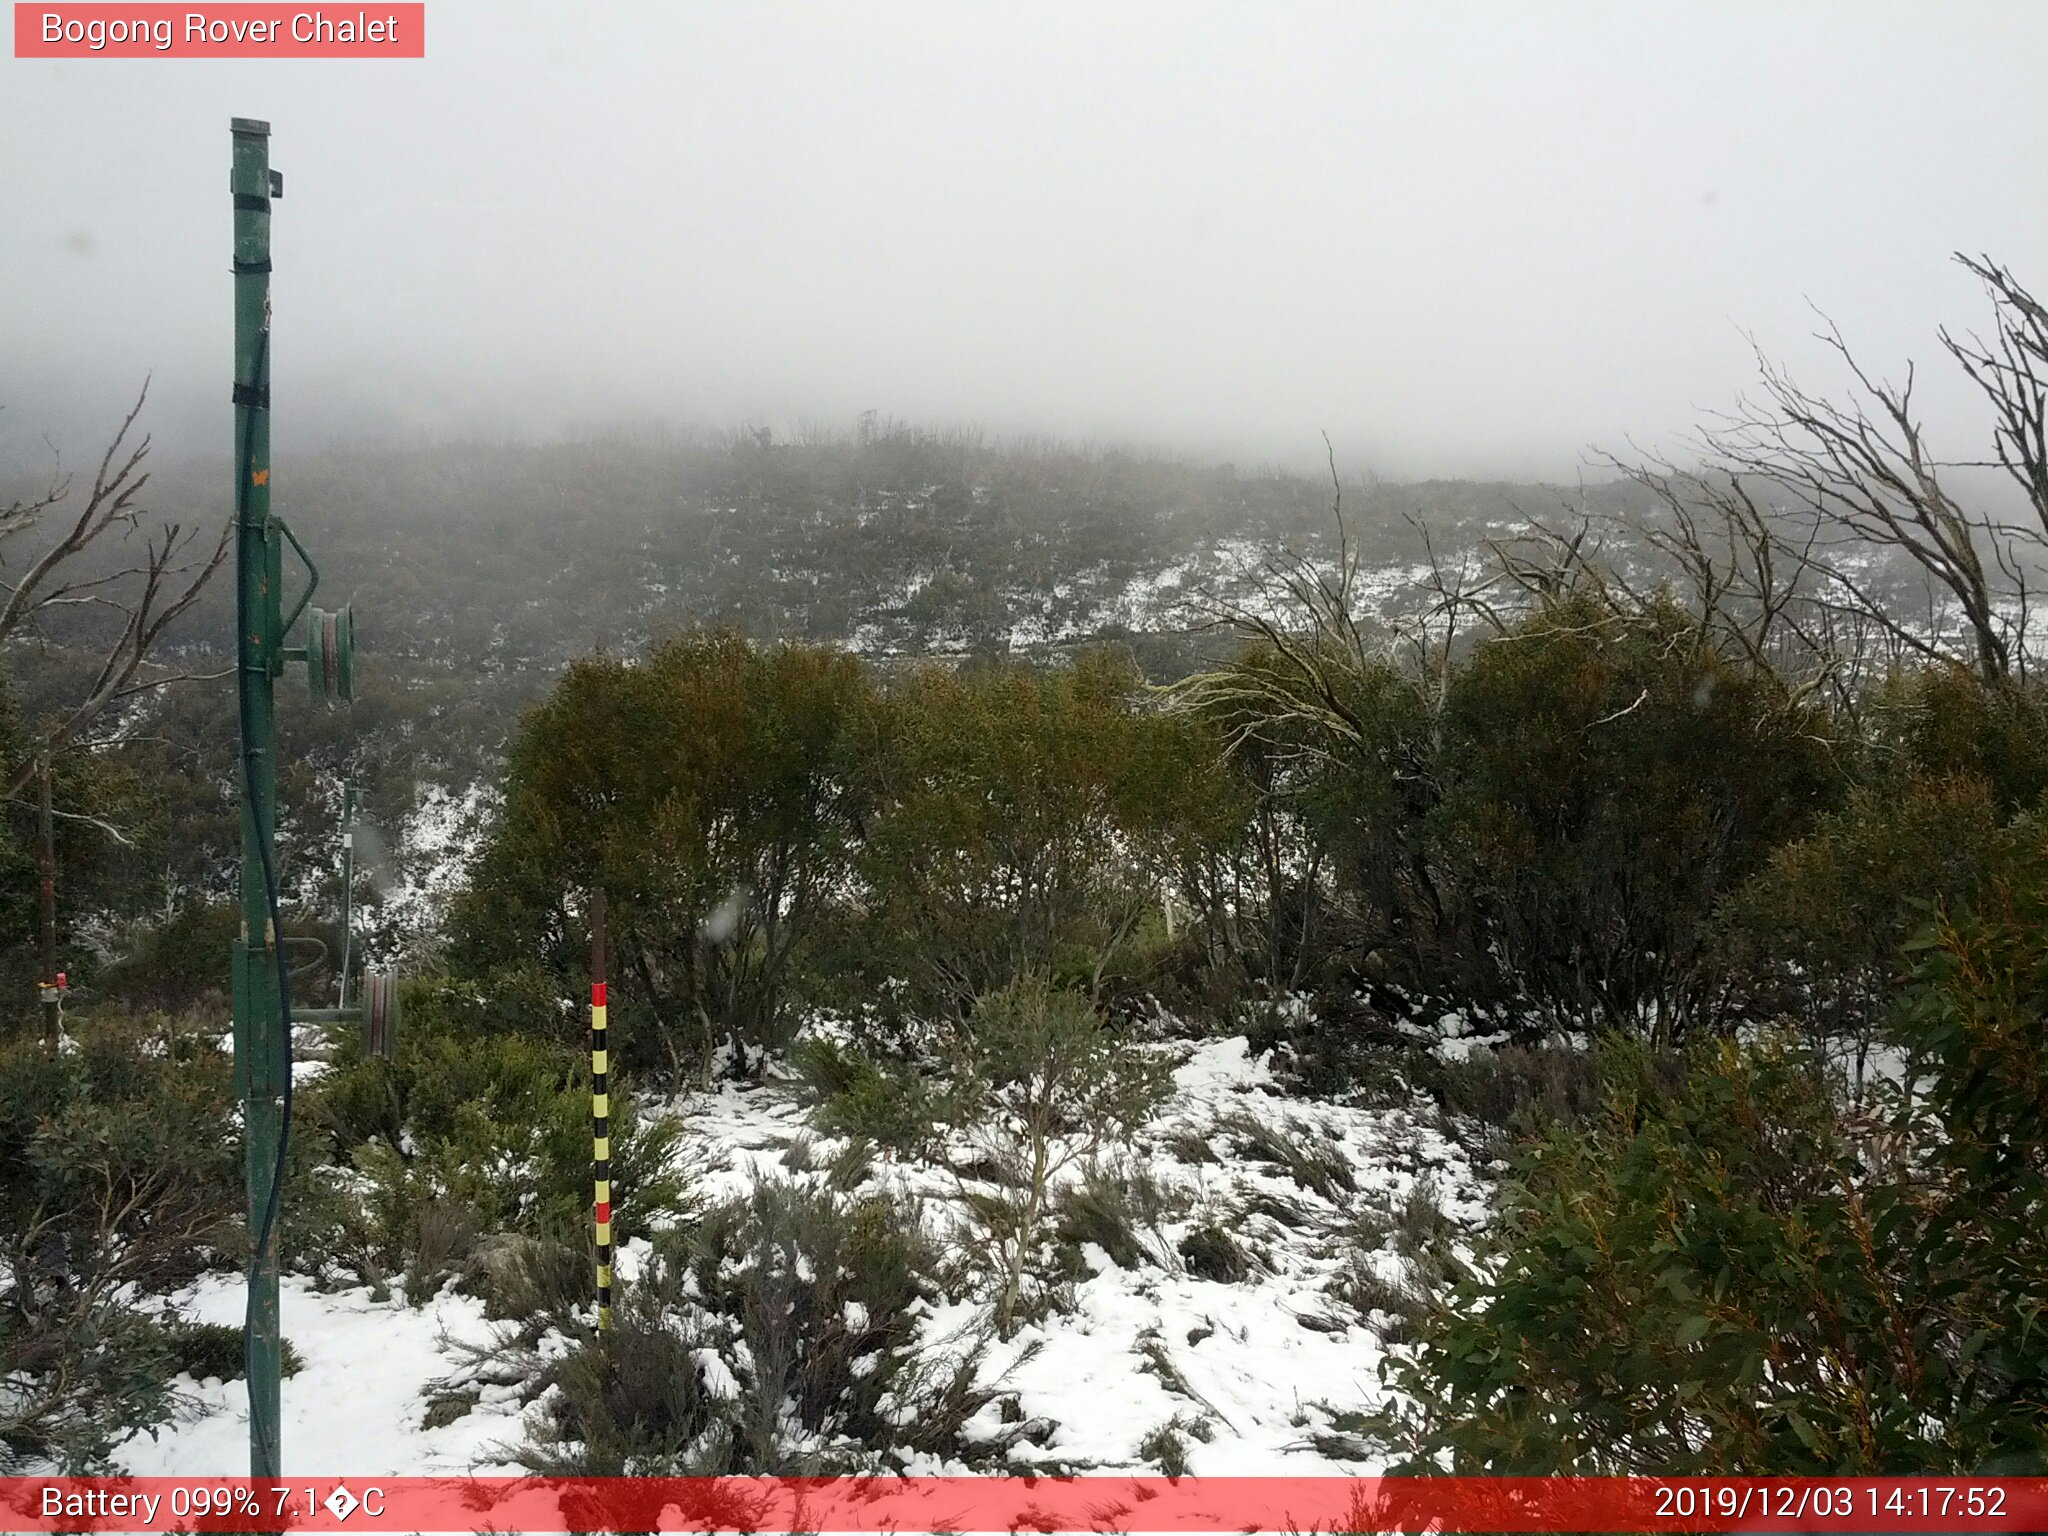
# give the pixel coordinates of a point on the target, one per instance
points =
(261, 1051)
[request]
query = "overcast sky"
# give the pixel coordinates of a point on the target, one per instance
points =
(1463, 239)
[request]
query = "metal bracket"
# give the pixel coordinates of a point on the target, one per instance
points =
(312, 576)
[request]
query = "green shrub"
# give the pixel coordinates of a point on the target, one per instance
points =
(1516, 1091)
(1946, 722)
(78, 1383)
(1305, 1154)
(1020, 828)
(1210, 1253)
(120, 1180)
(464, 1135)
(1120, 1208)
(179, 964)
(1729, 1275)
(871, 1098)
(708, 789)
(1167, 1449)
(1542, 823)
(1334, 745)
(1816, 934)
(1609, 778)
(216, 1351)
(1972, 1022)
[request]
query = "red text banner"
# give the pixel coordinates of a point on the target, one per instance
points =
(1008, 1504)
(239, 31)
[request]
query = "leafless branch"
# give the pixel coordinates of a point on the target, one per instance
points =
(149, 595)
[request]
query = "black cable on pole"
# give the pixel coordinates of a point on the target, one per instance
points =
(266, 1232)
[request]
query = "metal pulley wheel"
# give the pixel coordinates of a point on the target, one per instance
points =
(331, 652)
(380, 1014)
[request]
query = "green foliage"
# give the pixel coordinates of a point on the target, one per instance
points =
(1014, 831)
(179, 964)
(865, 1096)
(1306, 1155)
(1211, 1253)
(1043, 1083)
(706, 789)
(1816, 934)
(1972, 1019)
(1678, 1288)
(1035, 1081)
(78, 1383)
(1544, 821)
(103, 834)
(1516, 1091)
(216, 1351)
(1610, 777)
(464, 1135)
(1333, 748)
(1400, 1260)
(1730, 1275)
(1946, 722)
(1167, 1448)
(119, 1180)
(1118, 1207)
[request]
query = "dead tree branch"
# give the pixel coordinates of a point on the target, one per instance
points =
(148, 595)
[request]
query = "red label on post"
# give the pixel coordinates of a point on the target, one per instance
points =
(102, 31)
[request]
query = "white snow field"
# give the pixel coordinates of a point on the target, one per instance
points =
(1253, 1374)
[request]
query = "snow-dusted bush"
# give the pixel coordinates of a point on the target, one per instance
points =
(781, 1333)
(120, 1179)
(1042, 1083)
(874, 1098)
(1120, 1207)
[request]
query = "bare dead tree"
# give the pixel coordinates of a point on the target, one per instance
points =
(1751, 578)
(147, 594)
(1452, 594)
(2012, 372)
(1861, 474)
(1296, 700)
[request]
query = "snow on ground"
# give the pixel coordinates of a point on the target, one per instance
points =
(1260, 1363)
(355, 1406)
(1260, 1367)
(416, 877)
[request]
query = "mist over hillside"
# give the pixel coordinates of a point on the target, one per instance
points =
(892, 540)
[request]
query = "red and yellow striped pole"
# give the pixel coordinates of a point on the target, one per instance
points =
(600, 1115)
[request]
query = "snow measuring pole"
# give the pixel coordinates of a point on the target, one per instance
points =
(600, 1115)
(262, 979)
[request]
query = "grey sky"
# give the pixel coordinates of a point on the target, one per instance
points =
(1464, 239)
